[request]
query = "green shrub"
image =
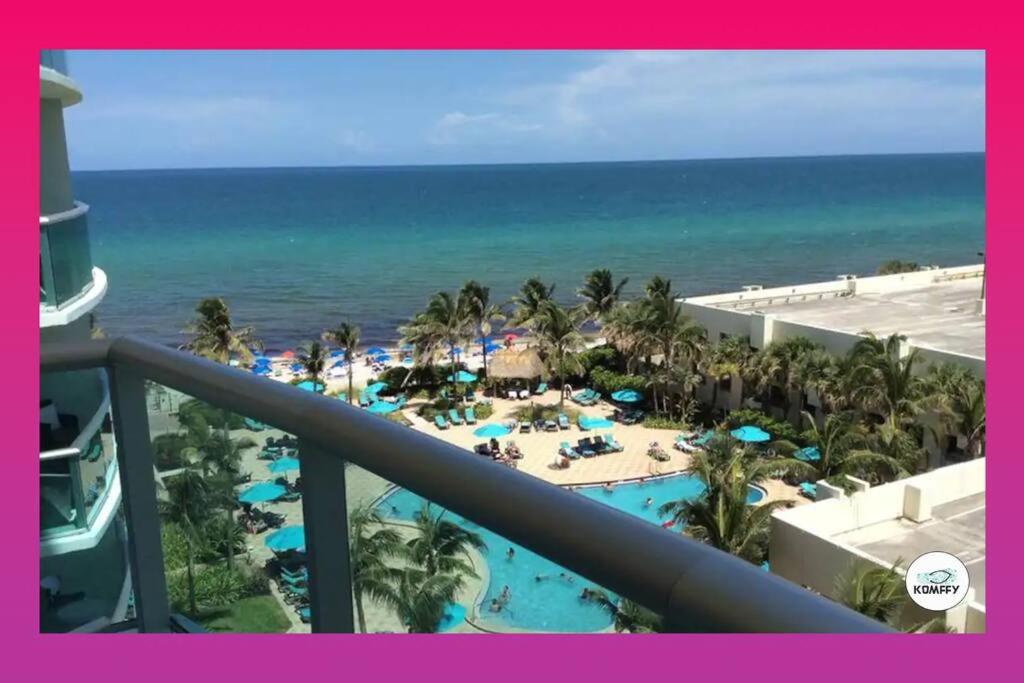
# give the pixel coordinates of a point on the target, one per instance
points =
(483, 410)
(607, 381)
(173, 542)
(661, 422)
(606, 357)
(215, 417)
(167, 451)
(216, 586)
(537, 411)
(778, 429)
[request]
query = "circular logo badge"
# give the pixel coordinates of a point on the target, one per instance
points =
(937, 581)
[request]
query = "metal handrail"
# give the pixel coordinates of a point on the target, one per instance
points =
(695, 587)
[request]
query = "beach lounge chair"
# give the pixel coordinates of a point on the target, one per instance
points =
(809, 490)
(563, 421)
(586, 448)
(482, 449)
(470, 416)
(581, 424)
(470, 396)
(294, 593)
(364, 400)
(440, 421)
(303, 613)
(524, 427)
(600, 445)
(524, 393)
(614, 445)
(453, 415)
(253, 425)
(299, 572)
(512, 394)
(568, 451)
(294, 582)
(538, 425)
(550, 426)
(541, 388)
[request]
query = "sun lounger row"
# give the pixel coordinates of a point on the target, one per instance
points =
(590, 446)
(587, 397)
(455, 419)
(629, 417)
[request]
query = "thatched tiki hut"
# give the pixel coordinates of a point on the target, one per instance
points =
(522, 364)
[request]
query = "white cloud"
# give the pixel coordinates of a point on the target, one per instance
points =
(456, 127)
(353, 140)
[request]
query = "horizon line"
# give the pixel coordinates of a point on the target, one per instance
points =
(528, 163)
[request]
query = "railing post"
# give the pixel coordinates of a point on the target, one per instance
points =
(327, 548)
(138, 487)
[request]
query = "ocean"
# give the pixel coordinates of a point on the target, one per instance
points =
(295, 250)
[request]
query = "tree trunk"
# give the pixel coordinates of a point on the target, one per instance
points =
(360, 614)
(231, 540)
(349, 381)
(191, 577)
(483, 347)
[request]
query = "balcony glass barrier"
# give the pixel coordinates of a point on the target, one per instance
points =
(66, 261)
(54, 59)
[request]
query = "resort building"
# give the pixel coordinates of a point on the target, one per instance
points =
(894, 523)
(83, 569)
(940, 311)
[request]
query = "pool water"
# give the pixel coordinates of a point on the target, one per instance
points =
(551, 603)
(596, 422)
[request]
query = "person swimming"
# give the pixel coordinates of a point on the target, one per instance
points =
(608, 487)
(510, 554)
(648, 502)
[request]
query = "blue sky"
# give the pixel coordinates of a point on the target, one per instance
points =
(311, 108)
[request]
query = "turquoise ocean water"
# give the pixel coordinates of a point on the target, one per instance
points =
(296, 250)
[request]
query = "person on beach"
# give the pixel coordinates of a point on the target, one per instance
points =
(510, 554)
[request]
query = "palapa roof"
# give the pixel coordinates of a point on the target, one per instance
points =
(516, 364)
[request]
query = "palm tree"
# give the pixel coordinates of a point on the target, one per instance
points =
(345, 335)
(560, 339)
(419, 598)
(216, 338)
(658, 287)
(843, 448)
(721, 516)
(959, 399)
(481, 311)
(528, 302)
(627, 616)
(187, 507)
(600, 293)
(626, 328)
(313, 357)
(442, 546)
(726, 360)
(781, 364)
(215, 450)
(370, 545)
(446, 320)
(669, 331)
(876, 592)
(885, 381)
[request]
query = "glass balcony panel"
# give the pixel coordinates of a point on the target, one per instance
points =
(59, 511)
(70, 258)
(220, 502)
(54, 59)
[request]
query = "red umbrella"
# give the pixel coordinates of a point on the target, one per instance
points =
(288, 354)
(510, 336)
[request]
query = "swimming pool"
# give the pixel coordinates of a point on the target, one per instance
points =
(552, 603)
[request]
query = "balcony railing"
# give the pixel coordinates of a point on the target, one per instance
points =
(54, 59)
(693, 586)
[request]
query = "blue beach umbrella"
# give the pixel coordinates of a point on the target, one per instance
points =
(483, 340)
(382, 358)
(261, 360)
(376, 387)
(262, 493)
(261, 370)
(338, 364)
(704, 438)
(375, 350)
(626, 396)
(295, 367)
(491, 347)
(490, 430)
(309, 386)
(462, 376)
(751, 434)
(282, 465)
(382, 407)
(808, 454)
(287, 538)
(407, 361)
(337, 352)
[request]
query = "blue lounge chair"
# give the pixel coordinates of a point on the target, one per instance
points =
(453, 415)
(541, 388)
(303, 613)
(586, 448)
(253, 425)
(809, 490)
(581, 424)
(563, 421)
(300, 573)
(295, 582)
(470, 416)
(440, 421)
(568, 451)
(364, 400)
(470, 396)
(615, 446)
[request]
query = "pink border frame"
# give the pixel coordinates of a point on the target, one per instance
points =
(524, 24)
